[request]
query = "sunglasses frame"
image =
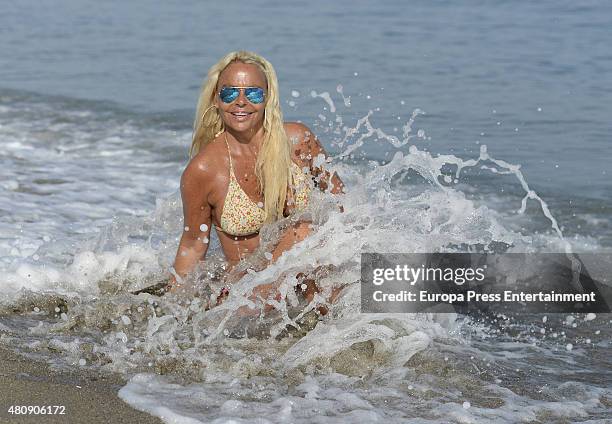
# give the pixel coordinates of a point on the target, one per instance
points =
(245, 95)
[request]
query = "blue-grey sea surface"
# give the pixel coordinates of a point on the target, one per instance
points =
(96, 107)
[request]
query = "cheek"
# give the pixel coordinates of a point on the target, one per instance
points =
(219, 104)
(223, 110)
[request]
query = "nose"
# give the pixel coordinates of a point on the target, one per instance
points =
(241, 100)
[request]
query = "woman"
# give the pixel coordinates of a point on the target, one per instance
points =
(247, 167)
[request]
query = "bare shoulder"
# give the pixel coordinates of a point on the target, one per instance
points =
(304, 143)
(298, 132)
(203, 169)
(307, 151)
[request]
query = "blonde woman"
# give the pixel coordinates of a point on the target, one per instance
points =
(247, 166)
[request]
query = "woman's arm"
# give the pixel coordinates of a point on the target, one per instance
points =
(195, 185)
(309, 154)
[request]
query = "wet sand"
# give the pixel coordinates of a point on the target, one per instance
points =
(86, 395)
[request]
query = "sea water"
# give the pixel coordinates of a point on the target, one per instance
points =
(454, 152)
(67, 287)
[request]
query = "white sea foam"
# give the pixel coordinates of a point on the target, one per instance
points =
(190, 365)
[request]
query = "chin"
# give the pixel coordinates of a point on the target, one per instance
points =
(244, 126)
(240, 127)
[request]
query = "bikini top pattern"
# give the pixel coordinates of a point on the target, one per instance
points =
(241, 216)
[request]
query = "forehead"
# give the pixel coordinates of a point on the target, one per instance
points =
(242, 75)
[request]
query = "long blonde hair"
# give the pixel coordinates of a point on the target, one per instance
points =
(272, 167)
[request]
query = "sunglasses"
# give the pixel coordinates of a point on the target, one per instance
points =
(255, 95)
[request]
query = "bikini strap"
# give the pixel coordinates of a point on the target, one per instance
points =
(229, 154)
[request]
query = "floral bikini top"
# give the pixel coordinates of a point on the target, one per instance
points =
(241, 216)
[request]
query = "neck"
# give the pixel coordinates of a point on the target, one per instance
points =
(251, 137)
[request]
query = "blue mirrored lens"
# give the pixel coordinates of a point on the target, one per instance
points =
(254, 95)
(229, 94)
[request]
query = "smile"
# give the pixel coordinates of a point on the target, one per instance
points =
(241, 116)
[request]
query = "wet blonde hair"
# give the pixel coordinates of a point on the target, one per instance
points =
(272, 167)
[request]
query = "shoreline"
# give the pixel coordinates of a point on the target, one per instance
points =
(88, 396)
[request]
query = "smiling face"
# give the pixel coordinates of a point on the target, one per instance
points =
(241, 115)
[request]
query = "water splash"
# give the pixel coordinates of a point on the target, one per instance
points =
(350, 361)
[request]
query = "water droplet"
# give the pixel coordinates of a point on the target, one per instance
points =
(569, 347)
(126, 320)
(268, 256)
(260, 204)
(203, 227)
(295, 93)
(466, 405)
(36, 309)
(539, 109)
(121, 336)
(82, 362)
(590, 316)
(291, 103)
(186, 228)
(57, 309)
(205, 240)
